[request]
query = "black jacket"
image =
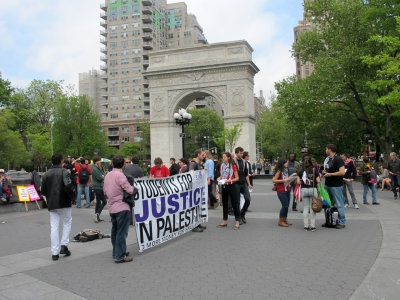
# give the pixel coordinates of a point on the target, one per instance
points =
(174, 169)
(57, 187)
(351, 171)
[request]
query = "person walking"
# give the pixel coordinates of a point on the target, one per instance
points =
(308, 178)
(209, 165)
(243, 185)
(365, 172)
(115, 183)
(348, 180)
(84, 182)
(98, 181)
(334, 171)
(282, 181)
(394, 173)
(229, 176)
(57, 187)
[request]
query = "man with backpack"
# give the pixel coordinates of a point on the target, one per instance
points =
(84, 182)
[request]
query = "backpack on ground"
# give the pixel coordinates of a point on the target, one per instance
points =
(87, 235)
(331, 217)
(83, 175)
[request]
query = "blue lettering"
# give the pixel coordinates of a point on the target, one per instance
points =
(197, 198)
(183, 196)
(173, 203)
(145, 216)
(154, 204)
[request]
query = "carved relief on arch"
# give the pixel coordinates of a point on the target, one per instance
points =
(157, 106)
(237, 99)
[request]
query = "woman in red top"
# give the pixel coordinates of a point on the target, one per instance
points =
(159, 170)
(229, 173)
(281, 178)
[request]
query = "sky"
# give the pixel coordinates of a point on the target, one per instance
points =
(58, 39)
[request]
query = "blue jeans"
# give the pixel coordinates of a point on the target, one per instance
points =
(395, 183)
(284, 197)
(373, 190)
(336, 195)
(119, 232)
(87, 195)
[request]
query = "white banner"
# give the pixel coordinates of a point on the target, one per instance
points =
(169, 207)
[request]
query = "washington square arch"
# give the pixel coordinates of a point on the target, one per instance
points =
(224, 71)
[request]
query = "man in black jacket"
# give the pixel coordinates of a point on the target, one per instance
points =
(58, 190)
(348, 179)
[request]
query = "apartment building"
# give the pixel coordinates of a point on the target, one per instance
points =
(93, 85)
(302, 69)
(131, 30)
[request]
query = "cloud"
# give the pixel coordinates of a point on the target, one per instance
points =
(229, 20)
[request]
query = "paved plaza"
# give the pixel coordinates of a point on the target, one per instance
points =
(259, 261)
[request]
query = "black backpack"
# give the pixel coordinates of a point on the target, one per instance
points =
(331, 217)
(84, 175)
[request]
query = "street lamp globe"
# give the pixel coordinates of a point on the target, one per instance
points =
(177, 116)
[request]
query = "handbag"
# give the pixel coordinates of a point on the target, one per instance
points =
(316, 204)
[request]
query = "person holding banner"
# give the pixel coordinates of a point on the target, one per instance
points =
(115, 183)
(308, 178)
(57, 187)
(159, 170)
(282, 179)
(195, 165)
(229, 177)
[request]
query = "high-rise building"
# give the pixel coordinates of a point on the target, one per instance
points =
(303, 69)
(259, 105)
(93, 85)
(133, 28)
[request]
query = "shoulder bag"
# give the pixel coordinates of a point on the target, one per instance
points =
(316, 204)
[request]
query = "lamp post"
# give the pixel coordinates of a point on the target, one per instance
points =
(182, 118)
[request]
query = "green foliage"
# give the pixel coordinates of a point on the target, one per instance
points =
(77, 129)
(343, 96)
(231, 136)
(130, 149)
(5, 92)
(41, 149)
(204, 123)
(12, 150)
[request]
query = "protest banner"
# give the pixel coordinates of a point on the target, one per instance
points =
(169, 207)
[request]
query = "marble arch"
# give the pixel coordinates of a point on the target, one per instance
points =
(176, 77)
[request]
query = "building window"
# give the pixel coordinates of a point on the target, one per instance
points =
(125, 138)
(124, 26)
(113, 27)
(125, 98)
(125, 129)
(113, 54)
(113, 44)
(136, 16)
(135, 51)
(187, 33)
(124, 61)
(137, 97)
(125, 89)
(114, 107)
(137, 139)
(137, 79)
(114, 99)
(136, 60)
(124, 52)
(124, 44)
(114, 116)
(125, 116)
(124, 71)
(113, 62)
(136, 70)
(113, 72)
(113, 35)
(113, 90)
(125, 107)
(114, 81)
(135, 42)
(125, 81)
(136, 24)
(137, 88)
(137, 115)
(136, 33)
(124, 34)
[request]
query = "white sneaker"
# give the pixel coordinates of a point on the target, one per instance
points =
(346, 206)
(356, 206)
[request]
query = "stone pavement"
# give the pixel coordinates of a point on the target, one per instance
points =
(259, 261)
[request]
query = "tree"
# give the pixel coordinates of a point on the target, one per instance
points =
(205, 123)
(130, 149)
(44, 96)
(12, 150)
(40, 146)
(231, 136)
(339, 82)
(5, 92)
(77, 128)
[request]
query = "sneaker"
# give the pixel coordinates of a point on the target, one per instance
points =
(340, 226)
(96, 218)
(375, 203)
(197, 229)
(55, 257)
(306, 228)
(244, 220)
(4, 200)
(346, 205)
(124, 260)
(313, 229)
(366, 203)
(356, 206)
(64, 250)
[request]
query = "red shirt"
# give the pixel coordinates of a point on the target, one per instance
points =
(281, 187)
(159, 172)
(78, 169)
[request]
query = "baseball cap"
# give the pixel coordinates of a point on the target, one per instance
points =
(2, 171)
